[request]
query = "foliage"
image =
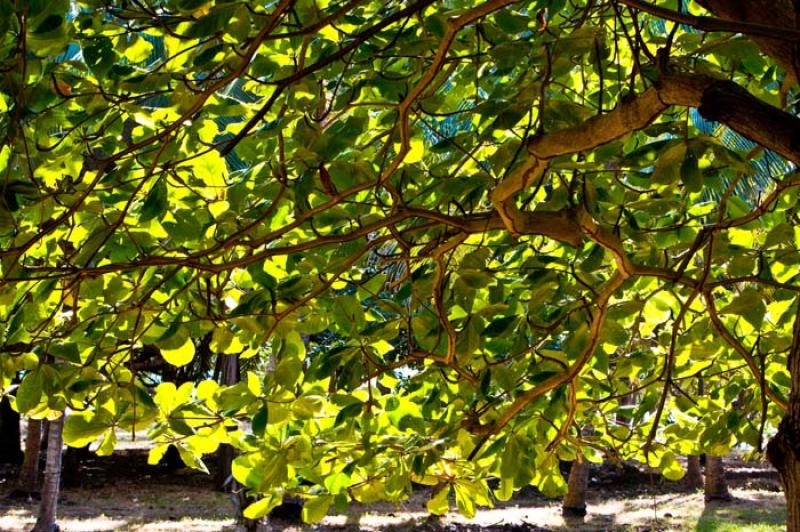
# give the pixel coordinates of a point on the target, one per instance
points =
(451, 240)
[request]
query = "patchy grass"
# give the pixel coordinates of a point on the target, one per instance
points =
(123, 493)
(751, 515)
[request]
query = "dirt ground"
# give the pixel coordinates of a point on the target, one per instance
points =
(123, 493)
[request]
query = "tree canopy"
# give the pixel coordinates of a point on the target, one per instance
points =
(451, 241)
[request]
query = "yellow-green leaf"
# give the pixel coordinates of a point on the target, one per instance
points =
(181, 355)
(316, 508)
(439, 504)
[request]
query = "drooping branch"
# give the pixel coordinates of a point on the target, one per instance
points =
(525, 398)
(737, 346)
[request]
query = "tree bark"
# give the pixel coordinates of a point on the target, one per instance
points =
(28, 479)
(716, 489)
(781, 13)
(694, 473)
(574, 503)
(46, 521)
(10, 446)
(783, 450)
(229, 375)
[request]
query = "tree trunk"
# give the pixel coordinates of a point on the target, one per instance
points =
(10, 447)
(71, 470)
(694, 473)
(574, 503)
(229, 375)
(783, 450)
(28, 479)
(716, 487)
(52, 477)
(782, 455)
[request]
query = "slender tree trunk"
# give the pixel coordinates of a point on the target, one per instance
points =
(52, 477)
(574, 503)
(229, 375)
(28, 479)
(10, 446)
(694, 473)
(716, 487)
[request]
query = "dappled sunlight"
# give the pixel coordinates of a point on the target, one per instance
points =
(199, 525)
(22, 519)
(127, 510)
(17, 519)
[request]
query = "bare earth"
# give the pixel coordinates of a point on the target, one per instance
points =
(123, 493)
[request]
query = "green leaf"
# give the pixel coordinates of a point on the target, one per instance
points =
(351, 410)
(260, 419)
(108, 444)
(155, 204)
(505, 490)
(438, 503)
(80, 430)
(210, 168)
(668, 164)
(29, 393)
(500, 326)
(465, 501)
(750, 305)
(262, 507)
(316, 508)
(670, 467)
(691, 176)
(181, 355)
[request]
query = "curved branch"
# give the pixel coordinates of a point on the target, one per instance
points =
(740, 349)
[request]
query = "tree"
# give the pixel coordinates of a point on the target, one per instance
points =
(694, 473)
(493, 221)
(574, 503)
(28, 479)
(46, 521)
(716, 488)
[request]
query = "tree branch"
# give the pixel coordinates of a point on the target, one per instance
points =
(705, 23)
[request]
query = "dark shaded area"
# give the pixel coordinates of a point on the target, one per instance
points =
(10, 445)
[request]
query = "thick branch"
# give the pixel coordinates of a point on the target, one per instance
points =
(785, 52)
(725, 101)
(717, 24)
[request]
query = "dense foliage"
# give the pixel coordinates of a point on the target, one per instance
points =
(448, 241)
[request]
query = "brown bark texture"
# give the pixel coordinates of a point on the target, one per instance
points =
(694, 473)
(574, 503)
(716, 488)
(28, 479)
(46, 522)
(229, 375)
